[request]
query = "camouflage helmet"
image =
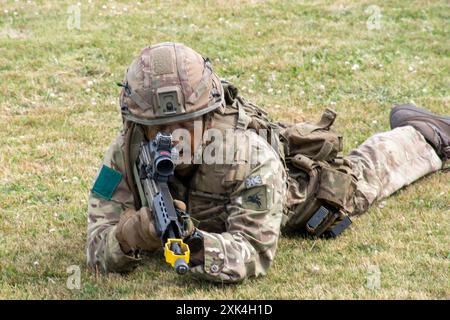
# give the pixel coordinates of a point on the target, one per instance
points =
(169, 82)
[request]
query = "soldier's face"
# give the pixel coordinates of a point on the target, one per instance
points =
(170, 128)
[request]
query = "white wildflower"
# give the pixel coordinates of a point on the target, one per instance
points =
(355, 67)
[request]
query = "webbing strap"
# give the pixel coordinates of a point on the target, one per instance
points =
(202, 86)
(327, 119)
(325, 151)
(243, 119)
(139, 100)
(181, 70)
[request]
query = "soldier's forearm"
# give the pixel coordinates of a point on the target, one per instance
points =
(228, 258)
(105, 253)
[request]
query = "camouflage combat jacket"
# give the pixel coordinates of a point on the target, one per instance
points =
(238, 207)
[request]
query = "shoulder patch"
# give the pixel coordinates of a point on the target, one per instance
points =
(107, 181)
(253, 181)
(255, 199)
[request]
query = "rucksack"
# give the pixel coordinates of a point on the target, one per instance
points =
(321, 183)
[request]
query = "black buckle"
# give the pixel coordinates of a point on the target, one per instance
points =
(317, 219)
(339, 228)
(322, 223)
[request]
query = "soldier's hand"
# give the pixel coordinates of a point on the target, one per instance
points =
(191, 236)
(185, 220)
(136, 230)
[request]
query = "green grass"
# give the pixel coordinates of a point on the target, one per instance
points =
(59, 112)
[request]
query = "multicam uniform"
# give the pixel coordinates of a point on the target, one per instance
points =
(239, 207)
(388, 161)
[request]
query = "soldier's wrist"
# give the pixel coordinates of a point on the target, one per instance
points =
(196, 247)
(120, 235)
(126, 249)
(194, 241)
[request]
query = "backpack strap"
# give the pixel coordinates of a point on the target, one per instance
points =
(327, 119)
(325, 151)
(243, 119)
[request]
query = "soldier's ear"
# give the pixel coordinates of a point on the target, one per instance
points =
(149, 132)
(207, 121)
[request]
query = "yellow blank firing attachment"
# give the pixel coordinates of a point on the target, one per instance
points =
(177, 254)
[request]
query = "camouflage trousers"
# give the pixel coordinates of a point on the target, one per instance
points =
(388, 161)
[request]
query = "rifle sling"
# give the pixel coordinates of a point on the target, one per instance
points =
(129, 175)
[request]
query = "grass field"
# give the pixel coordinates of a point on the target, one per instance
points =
(59, 112)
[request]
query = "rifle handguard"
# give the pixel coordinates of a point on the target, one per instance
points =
(177, 261)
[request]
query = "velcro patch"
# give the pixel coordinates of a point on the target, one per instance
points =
(161, 63)
(107, 181)
(252, 181)
(255, 199)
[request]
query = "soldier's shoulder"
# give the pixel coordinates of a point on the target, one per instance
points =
(119, 139)
(115, 152)
(253, 147)
(118, 142)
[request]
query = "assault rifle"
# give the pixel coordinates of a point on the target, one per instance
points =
(155, 167)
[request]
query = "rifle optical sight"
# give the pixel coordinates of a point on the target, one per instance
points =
(161, 152)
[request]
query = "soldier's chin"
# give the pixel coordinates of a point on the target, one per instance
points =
(183, 166)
